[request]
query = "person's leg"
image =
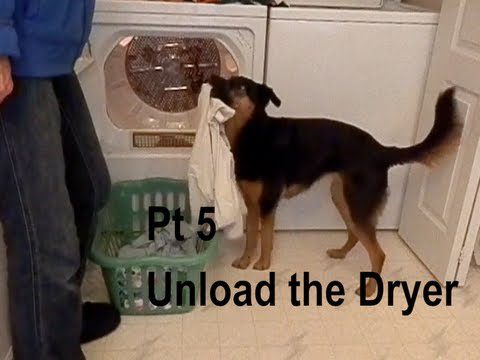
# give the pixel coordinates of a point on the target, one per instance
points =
(88, 183)
(39, 226)
(87, 176)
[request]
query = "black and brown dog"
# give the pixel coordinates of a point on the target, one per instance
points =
(281, 157)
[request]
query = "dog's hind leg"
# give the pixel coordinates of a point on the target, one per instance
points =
(366, 235)
(338, 198)
(251, 192)
(365, 193)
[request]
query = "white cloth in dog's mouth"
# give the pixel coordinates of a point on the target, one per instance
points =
(211, 170)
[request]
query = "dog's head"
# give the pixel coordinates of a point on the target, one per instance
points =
(243, 94)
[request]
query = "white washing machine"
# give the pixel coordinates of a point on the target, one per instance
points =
(366, 67)
(142, 74)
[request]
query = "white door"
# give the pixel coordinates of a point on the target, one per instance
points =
(440, 219)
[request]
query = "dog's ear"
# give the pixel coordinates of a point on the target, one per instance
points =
(216, 80)
(266, 94)
(218, 85)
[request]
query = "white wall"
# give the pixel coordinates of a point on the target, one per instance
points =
(4, 328)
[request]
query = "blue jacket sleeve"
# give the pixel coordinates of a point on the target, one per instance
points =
(8, 35)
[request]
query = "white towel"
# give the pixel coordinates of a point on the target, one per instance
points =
(211, 176)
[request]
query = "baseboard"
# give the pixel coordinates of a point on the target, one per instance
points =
(9, 355)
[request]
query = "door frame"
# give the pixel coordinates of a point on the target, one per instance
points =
(471, 247)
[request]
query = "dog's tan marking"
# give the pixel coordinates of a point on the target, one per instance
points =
(367, 236)
(433, 158)
(345, 249)
(293, 190)
(267, 231)
(251, 192)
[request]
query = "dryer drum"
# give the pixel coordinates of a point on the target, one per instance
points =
(167, 72)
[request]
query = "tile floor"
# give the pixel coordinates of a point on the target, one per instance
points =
(309, 332)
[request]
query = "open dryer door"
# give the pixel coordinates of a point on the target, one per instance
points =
(441, 212)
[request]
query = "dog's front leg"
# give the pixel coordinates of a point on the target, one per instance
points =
(253, 219)
(268, 223)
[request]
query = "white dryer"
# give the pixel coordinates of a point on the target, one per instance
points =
(367, 67)
(141, 74)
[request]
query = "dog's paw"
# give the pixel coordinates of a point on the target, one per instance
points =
(370, 290)
(262, 264)
(241, 263)
(336, 253)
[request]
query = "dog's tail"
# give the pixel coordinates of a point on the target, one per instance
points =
(443, 138)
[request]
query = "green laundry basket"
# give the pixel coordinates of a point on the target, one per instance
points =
(124, 218)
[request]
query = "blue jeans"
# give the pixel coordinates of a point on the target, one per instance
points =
(53, 181)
